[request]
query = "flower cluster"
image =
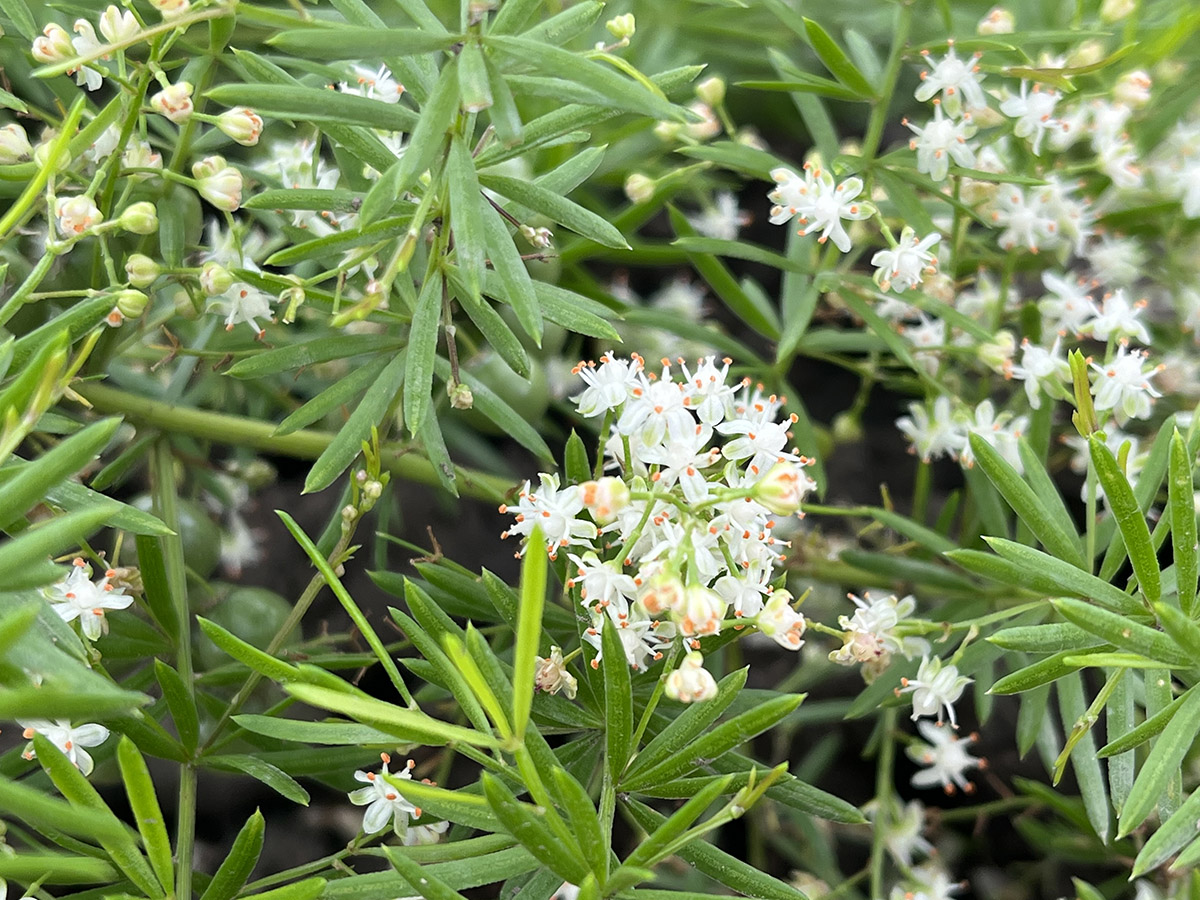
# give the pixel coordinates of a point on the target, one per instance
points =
(680, 543)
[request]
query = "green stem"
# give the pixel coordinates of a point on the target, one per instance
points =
(883, 799)
(644, 723)
(891, 72)
(240, 431)
(24, 292)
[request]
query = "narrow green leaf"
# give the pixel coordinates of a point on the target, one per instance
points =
(554, 206)
(308, 889)
(423, 881)
(120, 847)
(342, 734)
(343, 42)
(1181, 509)
(618, 701)
(473, 87)
(243, 856)
(660, 842)
(1152, 726)
(56, 868)
(312, 104)
(1118, 722)
(43, 811)
(335, 396)
(1170, 837)
(466, 215)
(1026, 504)
(1163, 763)
(461, 806)
(1130, 519)
(835, 59)
(1039, 673)
(529, 629)
(24, 559)
(1052, 637)
(270, 775)
(344, 448)
(575, 460)
(422, 349)
(311, 353)
(583, 819)
(247, 654)
(689, 724)
(1047, 574)
(505, 116)
(181, 703)
(1123, 632)
(1072, 705)
(489, 403)
(526, 824)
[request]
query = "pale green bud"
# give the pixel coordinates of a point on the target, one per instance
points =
(139, 218)
(141, 270)
(622, 27)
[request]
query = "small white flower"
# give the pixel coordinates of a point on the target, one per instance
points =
(1069, 306)
(934, 432)
(171, 9)
(706, 392)
(1000, 430)
(700, 612)
(941, 141)
(955, 79)
(1117, 261)
(902, 267)
(1026, 221)
(1034, 112)
(722, 220)
(609, 385)
(377, 84)
(1123, 385)
(1040, 367)
(1118, 318)
(871, 633)
(936, 687)
(946, 756)
(174, 102)
(780, 622)
(828, 204)
(104, 145)
(71, 740)
(383, 800)
(53, 45)
(85, 43)
(691, 682)
(76, 597)
(76, 215)
(243, 303)
(140, 155)
(551, 675)
(116, 25)
(555, 511)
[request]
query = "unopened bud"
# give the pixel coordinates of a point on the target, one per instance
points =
(139, 218)
(14, 144)
(846, 428)
(76, 215)
(242, 124)
(219, 183)
(998, 21)
(54, 45)
(1087, 53)
(460, 395)
(116, 25)
(141, 270)
(668, 131)
(538, 237)
(691, 682)
(1116, 10)
(622, 27)
(639, 188)
(174, 102)
(997, 354)
(709, 125)
(1133, 89)
(131, 303)
(711, 91)
(171, 9)
(783, 488)
(662, 592)
(215, 279)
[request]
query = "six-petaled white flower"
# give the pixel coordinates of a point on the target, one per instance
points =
(957, 80)
(76, 597)
(937, 687)
(70, 739)
(946, 756)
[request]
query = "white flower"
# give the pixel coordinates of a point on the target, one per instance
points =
(1026, 222)
(939, 142)
(829, 203)
(933, 432)
(116, 25)
(605, 498)
(901, 268)
(1068, 307)
(602, 583)
(383, 800)
(104, 145)
(551, 675)
(705, 391)
(14, 144)
(700, 612)
(990, 426)
(70, 740)
(871, 633)
(1040, 367)
(243, 303)
(1124, 387)
(377, 84)
(76, 597)
(722, 220)
(745, 592)
(780, 622)
(1118, 318)
(641, 637)
(691, 682)
(656, 409)
(935, 688)
(555, 511)
(174, 102)
(902, 829)
(783, 488)
(1034, 112)
(85, 43)
(955, 79)
(609, 385)
(140, 155)
(1133, 88)
(946, 756)
(1116, 261)
(928, 882)
(242, 124)
(76, 215)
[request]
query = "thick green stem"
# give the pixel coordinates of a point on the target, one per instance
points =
(883, 799)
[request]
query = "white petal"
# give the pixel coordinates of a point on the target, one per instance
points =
(377, 816)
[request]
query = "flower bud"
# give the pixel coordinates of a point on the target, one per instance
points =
(141, 270)
(131, 303)
(115, 318)
(551, 675)
(668, 131)
(639, 188)
(605, 498)
(701, 612)
(780, 622)
(709, 125)
(242, 124)
(460, 395)
(174, 102)
(220, 183)
(711, 91)
(997, 354)
(998, 21)
(139, 218)
(1116, 10)
(662, 592)
(622, 27)
(538, 237)
(1133, 89)
(783, 487)
(1087, 53)
(117, 26)
(54, 45)
(293, 297)
(171, 9)
(215, 279)
(76, 215)
(140, 155)
(691, 682)
(14, 144)
(846, 428)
